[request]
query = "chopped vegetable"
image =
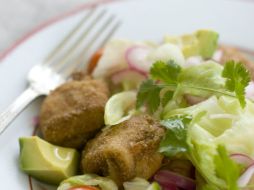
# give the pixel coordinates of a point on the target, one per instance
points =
(223, 122)
(175, 140)
(167, 179)
(140, 184)
(136, 184)
(242, 159)
(204, 80)
(154, 186)
(47, 162)
(202, 42)
(120, 107)
(94, 60)
(84, 188)
(128, 79)
(88, 180)
(246, 177)
(237, 79)
(149, 94)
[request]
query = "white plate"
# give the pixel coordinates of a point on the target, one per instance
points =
(143, 19)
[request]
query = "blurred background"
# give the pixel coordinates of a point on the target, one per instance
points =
(18, 17)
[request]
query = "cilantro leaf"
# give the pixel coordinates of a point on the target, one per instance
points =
(237, 79)
(166, 97)
(149, 94)
(175, 140)
(165, 72)
(226, 168)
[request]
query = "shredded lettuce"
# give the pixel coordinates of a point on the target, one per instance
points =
(90, 180)
(120, 107)
(140, 184)
(223, 123)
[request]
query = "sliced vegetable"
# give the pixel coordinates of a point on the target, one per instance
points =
(113, 58)
(224, 123)
(136, 57)
(141, 58)
(94, 60)
(128, 78)
(165, 177)
(154, 186)
(136, 184)
(47, 162)
(246, 177)
(120, 107)
(84, 188)
(203, 81)
(242, 159)
(167, 52)
(88, 180)
(249, 91)
(201, 42)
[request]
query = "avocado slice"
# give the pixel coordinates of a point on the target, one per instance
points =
(200, 43)
(47, 162)
(207, 42)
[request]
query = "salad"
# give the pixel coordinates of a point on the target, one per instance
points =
(174, 115)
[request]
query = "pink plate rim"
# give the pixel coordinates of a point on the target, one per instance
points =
(52, 21)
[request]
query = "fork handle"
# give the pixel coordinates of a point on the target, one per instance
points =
(13, 110)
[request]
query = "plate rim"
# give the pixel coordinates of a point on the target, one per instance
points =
(85, 6)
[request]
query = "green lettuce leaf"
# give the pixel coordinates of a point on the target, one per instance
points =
(225, 123)
(202, 80)
(88, 179)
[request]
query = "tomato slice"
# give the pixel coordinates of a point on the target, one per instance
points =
(84, 188)
(94, 60)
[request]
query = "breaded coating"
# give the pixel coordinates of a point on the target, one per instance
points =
(126, 150)
(230, 53)
(74, 112)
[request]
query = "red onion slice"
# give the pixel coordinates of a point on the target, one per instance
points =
(249, 91)
(246, 177)
(167, 178)
(217, 55)
(127, 74)
(194, 60)
(136, 58)
(242, 159)
(169, 186)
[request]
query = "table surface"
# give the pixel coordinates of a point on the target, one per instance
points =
(18, 17)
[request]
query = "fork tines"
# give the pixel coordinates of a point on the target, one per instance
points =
(90, 34)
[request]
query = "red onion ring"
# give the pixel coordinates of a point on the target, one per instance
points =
(247, 175)
(242, 159)
(124, 74)
(168, 178)
(136, 58)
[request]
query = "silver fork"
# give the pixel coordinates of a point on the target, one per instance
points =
(91, 33)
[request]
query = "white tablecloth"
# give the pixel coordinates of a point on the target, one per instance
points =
(17, 17)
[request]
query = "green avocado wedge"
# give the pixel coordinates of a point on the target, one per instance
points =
(46, 162)
(200, 43)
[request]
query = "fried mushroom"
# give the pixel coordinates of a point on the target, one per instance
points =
(126, 150)
(73, 113)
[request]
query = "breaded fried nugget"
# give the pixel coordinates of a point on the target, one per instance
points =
(126, 150)
(74, 112)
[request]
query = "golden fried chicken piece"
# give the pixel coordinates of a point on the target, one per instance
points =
(74, 112)
(230, 53)
(126, 150)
